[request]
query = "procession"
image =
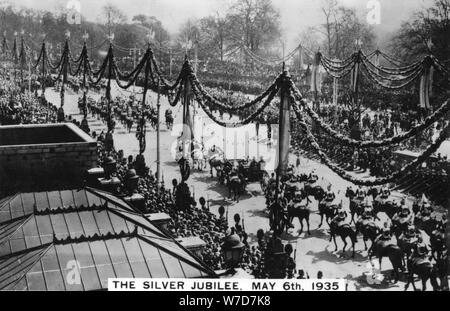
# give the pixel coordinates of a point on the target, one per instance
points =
(135, 151)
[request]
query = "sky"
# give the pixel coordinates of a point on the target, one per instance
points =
(296, 15)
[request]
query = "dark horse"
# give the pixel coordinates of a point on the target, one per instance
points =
(392, 251)
(235, 185)
(169, 120)
(344, 231)
(425, 270)
(368, 229)
(301, 212)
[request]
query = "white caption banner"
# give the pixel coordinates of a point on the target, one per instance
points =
(203, 285)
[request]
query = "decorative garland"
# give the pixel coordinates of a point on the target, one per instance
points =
(214, 101)
(96, 237)
(239, 123)
(373, 181)
(438, 114)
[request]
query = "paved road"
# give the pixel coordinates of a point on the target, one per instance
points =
(313, 253)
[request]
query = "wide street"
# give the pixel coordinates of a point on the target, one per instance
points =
(312, 253)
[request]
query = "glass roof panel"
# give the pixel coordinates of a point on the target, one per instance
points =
(65, 255)
(67, 198)
(5, 248)
(16, 207)
(105, 272)
(83, 254)
(45, 228)
(93, 199)
(90, 279)
(22, 285)
(28, 202)
(88, 223)
(190, 271)
(36, 281)
(54, 199)
(54, 280)
(59, 225)
(50, 261)
(100, 253)
(74, 224)
(173, 266)
(41, 201)
(80, 198)
(103, 222)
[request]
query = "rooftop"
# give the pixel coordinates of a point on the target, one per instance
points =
(44, 235)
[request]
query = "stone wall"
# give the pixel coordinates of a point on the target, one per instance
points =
(55, 164)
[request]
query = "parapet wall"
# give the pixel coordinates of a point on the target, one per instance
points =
(43, 157)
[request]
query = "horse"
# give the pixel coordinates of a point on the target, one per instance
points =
(199, 159)
(427, 223)
(344, 231)
(316, 191)
(406, 245)
(356, 208)
(388, 207)
(302, 212)
(327, 210)
(424, 269)
(392, 251)
(169, 120)
(368, 229)
(216, 160)
(235, 185)
(438, 242)
(441, 268)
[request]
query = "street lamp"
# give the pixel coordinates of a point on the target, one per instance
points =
(232, 249)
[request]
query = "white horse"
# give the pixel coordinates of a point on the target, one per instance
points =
(199, 156)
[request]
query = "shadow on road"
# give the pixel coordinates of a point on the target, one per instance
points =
(336, 257)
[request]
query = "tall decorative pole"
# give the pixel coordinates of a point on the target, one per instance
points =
(109, 141)
(158, 133)
(15, 57)
(65, 67)
(85, 59)
(22, 57)
(284, 131)
(44, 57)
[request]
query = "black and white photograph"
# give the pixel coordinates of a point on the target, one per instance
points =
(224, 146)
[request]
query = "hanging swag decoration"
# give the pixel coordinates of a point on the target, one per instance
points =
(355, 72)
(425, 83)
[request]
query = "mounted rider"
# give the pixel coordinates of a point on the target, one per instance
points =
(368, 211)
(385, 237)
(360, 194)
(313, 177)
(421, 250)
(385, 192)
(425, 208)
(339, 219)
(329, 195)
